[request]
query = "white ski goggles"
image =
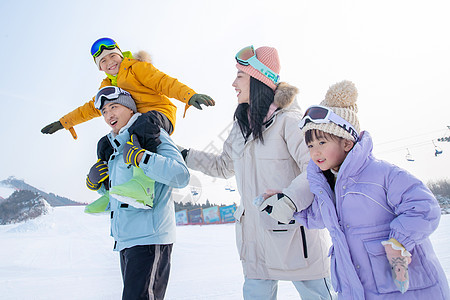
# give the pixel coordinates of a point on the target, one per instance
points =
(108, 93)
(320, 114)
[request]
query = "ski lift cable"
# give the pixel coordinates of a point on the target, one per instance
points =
(418, 144)
(401, 148)
(415, 145)
(411, 137)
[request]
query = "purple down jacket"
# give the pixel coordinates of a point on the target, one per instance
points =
(375, 201)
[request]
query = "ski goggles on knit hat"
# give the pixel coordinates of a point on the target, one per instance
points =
(320, 114)
(101, 44)
(114, 94)
(247, 56)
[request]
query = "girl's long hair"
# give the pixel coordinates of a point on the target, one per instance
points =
(250, 116)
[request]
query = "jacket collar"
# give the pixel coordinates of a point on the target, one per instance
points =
(358, 157)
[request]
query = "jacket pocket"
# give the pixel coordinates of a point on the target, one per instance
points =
(334, 277)
(133, 223)
(419, 278)
(284, 249)
(239, 216)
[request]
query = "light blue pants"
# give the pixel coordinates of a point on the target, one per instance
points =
(260, 289)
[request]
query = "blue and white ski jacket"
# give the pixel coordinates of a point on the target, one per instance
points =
(132, 226)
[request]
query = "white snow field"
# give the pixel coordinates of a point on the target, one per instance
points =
(68, 255)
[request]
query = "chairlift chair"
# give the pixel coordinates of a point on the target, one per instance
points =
(437, 150)
(194, 191)
(229, 187)
(409, 157)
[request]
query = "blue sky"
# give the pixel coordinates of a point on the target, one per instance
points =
(396, 52)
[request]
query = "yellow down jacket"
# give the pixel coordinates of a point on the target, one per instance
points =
(149, 87)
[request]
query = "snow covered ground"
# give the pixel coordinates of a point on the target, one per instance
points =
(5, 192)
(68, 255)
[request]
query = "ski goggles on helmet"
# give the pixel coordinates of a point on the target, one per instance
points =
(247, 56)
(108, 93)
(320, 114)
(101, 44)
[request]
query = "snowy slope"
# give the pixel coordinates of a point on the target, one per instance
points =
(68, 255)
(5, 192)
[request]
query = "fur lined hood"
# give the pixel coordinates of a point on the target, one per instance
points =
(285, 95)
(142, 56)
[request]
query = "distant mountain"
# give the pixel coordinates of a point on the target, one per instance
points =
(52, 199)
(22, 206)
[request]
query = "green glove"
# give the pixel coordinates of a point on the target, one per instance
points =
(198, 99)
(52, 128)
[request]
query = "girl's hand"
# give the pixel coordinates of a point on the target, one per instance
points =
(399, 265)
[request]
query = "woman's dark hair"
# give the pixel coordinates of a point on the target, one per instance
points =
(250, 117)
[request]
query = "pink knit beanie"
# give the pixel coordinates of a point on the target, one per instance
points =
(269, 57)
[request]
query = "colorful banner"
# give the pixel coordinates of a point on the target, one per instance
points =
(195, 216)
(211, 215)
(181, 217)
(227, 213)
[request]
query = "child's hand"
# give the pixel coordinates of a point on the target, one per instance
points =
(399, 265)
(198, 99)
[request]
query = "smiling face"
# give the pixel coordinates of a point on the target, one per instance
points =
(110, 63)
(242, 87)
(328, 152)
(116, 115)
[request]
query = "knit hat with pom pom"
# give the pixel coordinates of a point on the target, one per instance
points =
(341, 99)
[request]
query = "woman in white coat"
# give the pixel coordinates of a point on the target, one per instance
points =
(265, 150)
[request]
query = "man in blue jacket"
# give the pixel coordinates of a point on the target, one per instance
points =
(143, 233)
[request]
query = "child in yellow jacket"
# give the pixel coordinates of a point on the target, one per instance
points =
(149, 87)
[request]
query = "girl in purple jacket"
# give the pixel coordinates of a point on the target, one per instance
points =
(379, 216)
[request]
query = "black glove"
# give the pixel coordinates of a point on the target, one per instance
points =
(147, 128)
(198, 99)
(184, 152)
(131, 150)
(104, 149)
(97, 174)
(52, 128)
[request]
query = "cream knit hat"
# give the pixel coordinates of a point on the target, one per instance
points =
(269, 57)
(106, 52)
(341, 99)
